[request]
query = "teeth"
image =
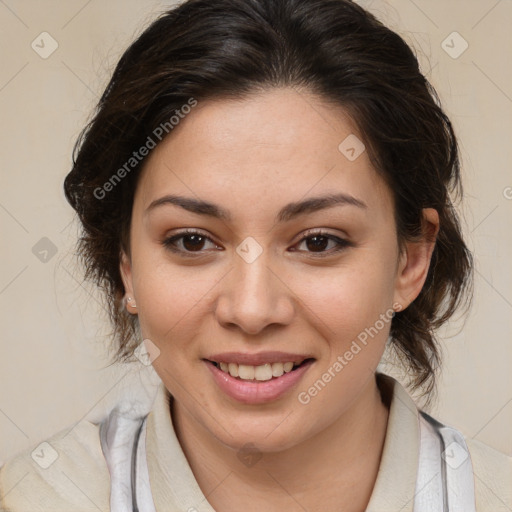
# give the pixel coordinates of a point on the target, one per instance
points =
(262, 372)
(233, 369)
(246, 372)
(277, 369)
(287, 367)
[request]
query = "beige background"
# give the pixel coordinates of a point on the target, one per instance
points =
(53, 369)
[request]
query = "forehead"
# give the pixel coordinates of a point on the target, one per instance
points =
(255, 154)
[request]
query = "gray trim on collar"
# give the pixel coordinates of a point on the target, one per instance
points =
(445, 480)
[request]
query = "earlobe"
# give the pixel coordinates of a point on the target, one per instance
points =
(125, 269)
(415, 261)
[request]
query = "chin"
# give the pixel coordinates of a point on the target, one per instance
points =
(274, 434)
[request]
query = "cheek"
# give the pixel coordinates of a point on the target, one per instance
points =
(171, 300)
(347, 299)
(351, 308)
(340, 301)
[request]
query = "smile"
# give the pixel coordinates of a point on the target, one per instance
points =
(257, 384)
(262, 372)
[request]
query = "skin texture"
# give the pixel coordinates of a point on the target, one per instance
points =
(252, 157)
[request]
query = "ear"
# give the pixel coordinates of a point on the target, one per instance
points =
(415, 261)
(125, 268)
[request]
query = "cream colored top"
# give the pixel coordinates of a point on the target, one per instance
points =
(78, 479)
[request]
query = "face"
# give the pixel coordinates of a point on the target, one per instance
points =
(255, 265)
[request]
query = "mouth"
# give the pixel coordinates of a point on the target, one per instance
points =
(273, 378)
(259, 373)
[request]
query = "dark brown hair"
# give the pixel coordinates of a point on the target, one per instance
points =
(229, 48)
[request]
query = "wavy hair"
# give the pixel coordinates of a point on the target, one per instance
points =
(230, 48)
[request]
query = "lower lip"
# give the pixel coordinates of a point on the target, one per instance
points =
(257, 392)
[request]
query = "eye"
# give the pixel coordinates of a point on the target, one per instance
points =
(192, 242)
(318, 241)
(187, 242)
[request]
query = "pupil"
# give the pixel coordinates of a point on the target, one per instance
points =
(316, 245)
(197, 244)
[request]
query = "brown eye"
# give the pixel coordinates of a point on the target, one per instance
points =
(319, 242)
(187, 242)
(193, 242)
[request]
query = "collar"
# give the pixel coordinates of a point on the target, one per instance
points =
(396, 480)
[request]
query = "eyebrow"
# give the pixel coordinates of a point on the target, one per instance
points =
(288, 212)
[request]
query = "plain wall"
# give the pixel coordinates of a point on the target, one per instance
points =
(53, 366)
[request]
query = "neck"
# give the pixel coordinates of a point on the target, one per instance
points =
(333, 470)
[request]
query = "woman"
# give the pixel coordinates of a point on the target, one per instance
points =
(264, 194)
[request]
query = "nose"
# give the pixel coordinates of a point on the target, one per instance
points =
(254, 296)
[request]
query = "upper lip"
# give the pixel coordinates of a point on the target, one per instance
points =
(257, 359)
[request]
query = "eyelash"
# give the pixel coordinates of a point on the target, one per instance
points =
(168, 243)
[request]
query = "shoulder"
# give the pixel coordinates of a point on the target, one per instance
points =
(493, 477)
(66, 472)
(492, 469)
